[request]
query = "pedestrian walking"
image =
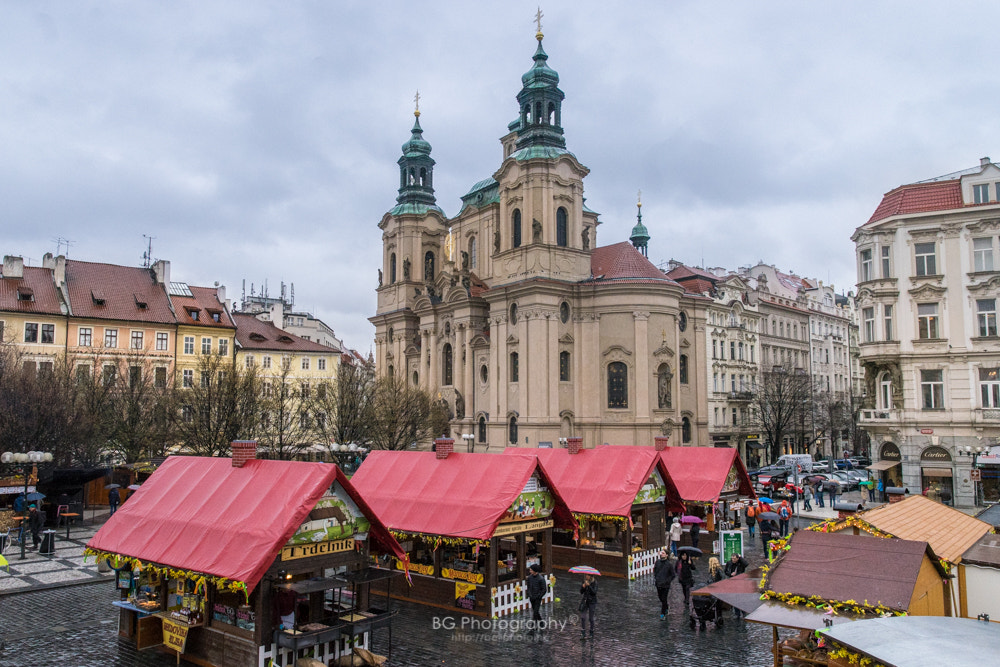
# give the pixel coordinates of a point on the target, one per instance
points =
(751, 517)
(685, 575)
(114, 499)
(881, 490)
(663, 576)
(765, 531)
(715, 571)
(871, 490)
(36, 521)
(676, 530)
(831, 488)
(818, 491)
(807, 498)
(784, 516)
(588, 605)
(695, 534)
(537, 588)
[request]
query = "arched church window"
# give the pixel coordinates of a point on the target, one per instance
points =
(516, 228)
(538, 112)
(423, 176)
(482, 429)
(664, 386)
(617, 385)
(391, 370)
(429, 265)
(448, 365)
(551, 116)
(413, 177)
(392, 268)
(472, 252)
(512, 430)
(561, 227)
(564, 366)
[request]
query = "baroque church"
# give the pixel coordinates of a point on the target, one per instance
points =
(515, 317)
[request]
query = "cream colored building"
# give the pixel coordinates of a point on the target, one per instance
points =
(928, 286)
(513, 315)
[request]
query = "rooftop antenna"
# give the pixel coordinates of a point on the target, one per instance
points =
(60, 242)
(147, 257)
(292, 303)
(243, 295)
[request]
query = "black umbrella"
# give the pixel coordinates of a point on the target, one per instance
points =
(767, 516)
(831, 486)
(113, 486)
(694, 551)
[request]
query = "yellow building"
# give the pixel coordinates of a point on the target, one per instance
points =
(32, 313)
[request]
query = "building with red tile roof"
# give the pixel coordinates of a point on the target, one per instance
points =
(32, 312)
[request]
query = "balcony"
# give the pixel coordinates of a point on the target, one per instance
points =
(878, 416)
(739, 396)
(987, 416)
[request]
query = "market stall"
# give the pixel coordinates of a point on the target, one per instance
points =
(247, 562)
(711, 482)
(471, 524)
(619, 496)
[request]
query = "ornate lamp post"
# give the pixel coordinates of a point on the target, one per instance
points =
(469, 442)
(19, 462)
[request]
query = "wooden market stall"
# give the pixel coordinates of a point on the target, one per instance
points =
(236, 562)
(711, 482)
(619, 496)
(471, 524)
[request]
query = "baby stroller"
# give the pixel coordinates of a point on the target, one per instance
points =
(705, 609)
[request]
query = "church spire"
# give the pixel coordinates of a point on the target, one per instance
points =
(640, 236)
(416, 167)
(540, 101)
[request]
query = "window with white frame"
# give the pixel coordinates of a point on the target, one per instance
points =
(989, 387)
(981, 193)
(249, 360)
(162, 340)
(932, 389)
(926, 259)
(266, 361)
(223, 347)
(868, 315)
(885, 391)
(206, 379)
(48, 333)
(982, 254)
(86, 337)
(321, 363)
(188, 344)
(206, 346)
(886, 262)
(927, 321)
(986, 315)
(305, 363)
(111, 338)
(867, 265)
(188, 378)
(887, 321)
(136, 342)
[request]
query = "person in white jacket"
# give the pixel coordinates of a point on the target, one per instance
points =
(676, 530)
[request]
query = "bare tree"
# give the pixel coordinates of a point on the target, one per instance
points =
(287, 427)
(403, 414)
(343, 409)
(778, 401)
(139, 420)
(221, 405)
(831, 417)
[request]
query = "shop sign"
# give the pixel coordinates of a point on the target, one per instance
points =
(473, 577)
(246, 618)
(889, 452)
(935, 454)
(465, 595)
(224, 613)
(416, 567)
(522, 527)
(175, 634)
(926, 431)
(732, 543)
(318, 549)
(6, 490)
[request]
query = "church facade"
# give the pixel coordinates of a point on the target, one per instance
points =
(513, 315)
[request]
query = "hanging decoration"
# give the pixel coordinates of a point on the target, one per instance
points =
(200, 579)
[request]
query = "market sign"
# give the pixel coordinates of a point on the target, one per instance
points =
(465, 595)
(534, 502)
(653, 491)
(175, 635)
(318, 549)
(889, 452)
(334, 517)
(732, 484)
(6, 490)
(416, 567)
(732, 543)
(473, 577)
(522, 527)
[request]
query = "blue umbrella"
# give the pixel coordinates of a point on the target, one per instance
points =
(765, 499)
(33, 496)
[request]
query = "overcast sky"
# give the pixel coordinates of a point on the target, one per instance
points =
(258, 141)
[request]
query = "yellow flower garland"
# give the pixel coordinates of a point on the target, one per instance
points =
(609, 518)
(438, 540)
(119, 562)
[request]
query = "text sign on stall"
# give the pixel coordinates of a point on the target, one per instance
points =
(732, 543)
(523, 527)
(175, 635)
(317, 549)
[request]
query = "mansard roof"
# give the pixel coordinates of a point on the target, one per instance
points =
(919, 198)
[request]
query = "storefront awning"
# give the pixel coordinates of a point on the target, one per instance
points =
(883, 465)
(936, 472)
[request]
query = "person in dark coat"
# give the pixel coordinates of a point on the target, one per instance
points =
(766, 529)
(818, 492)
(695, 534)
(588, 605)
(36, 521)
(751, 516)
(737, 564)
(114, 499)
(537, 588)
(685, 575)
(663, 575)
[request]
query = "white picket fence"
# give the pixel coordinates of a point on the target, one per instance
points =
(512, 597)
(271, 655)
(642, 563)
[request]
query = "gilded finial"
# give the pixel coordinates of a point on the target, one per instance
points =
(538, 24)
(639, 198)
(416, 104)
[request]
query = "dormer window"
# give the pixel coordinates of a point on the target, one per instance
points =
(981, 193)
(139, 302)
(257, 337)
(194, 314)
(97, 297)
(25, 293)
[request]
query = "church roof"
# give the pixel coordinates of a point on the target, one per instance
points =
(622, 262)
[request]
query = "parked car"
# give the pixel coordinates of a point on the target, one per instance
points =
(847, 464)
(821, 466)
(847, 482)
(767, 471)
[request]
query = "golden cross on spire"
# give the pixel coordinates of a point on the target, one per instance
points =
(538, 22)
(416, 104)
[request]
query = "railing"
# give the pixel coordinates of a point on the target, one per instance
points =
(512, 597)
(642, 563)
(878, 416)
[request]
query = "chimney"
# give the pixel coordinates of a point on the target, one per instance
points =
(896, 493)
(220, 293)
(243, 451)
(984, 162)
(846, 509)
(661, 442)
(574, 445)
(58, 267)
(13, 267)
(443, 447)
(161, 269)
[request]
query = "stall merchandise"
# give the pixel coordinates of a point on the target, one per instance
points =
(247, 562)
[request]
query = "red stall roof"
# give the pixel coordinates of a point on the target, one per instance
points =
(701, 473)
(463, 495)
(603, 480)
(204, 515)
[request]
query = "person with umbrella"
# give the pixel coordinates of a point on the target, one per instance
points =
(588, 604)
(685, 574)
(818, 490)
(114, 498)
(36, 521)
(663, 576)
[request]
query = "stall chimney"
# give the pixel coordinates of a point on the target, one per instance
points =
(243, 451)
(574, 445)
(661, 442)
(443, 447)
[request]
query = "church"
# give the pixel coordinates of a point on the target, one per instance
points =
(513, 315)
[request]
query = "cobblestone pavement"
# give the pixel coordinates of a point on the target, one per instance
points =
(65, 567)
(76, 626)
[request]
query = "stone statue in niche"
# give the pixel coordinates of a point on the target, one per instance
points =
(663, 387)
(586, 238)
(536, 231)
(459, 406)
(406, 269)
(380, 277)
(465, 261)
(496, 241)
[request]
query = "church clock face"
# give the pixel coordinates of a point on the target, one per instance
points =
(682, 321)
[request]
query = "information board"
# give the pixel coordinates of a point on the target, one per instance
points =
(732, 543)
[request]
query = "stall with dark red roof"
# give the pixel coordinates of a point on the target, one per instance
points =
(246, 562)
(471, 524)
(619, 496)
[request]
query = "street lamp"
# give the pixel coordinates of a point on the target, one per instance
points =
(975, 454)
(470, 445)
(564, 442)
(18, 462)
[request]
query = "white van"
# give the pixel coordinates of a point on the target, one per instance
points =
(804, 461)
